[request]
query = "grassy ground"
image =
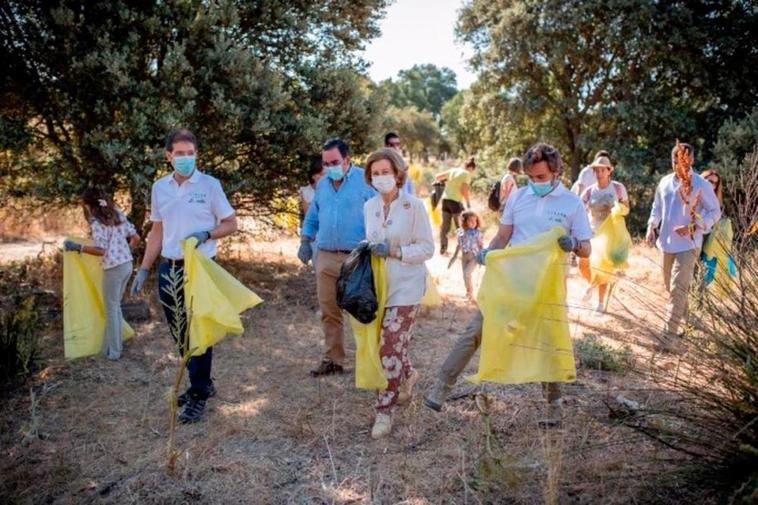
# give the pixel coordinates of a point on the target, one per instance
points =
(93, 431)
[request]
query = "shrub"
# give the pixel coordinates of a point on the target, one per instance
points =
(21, 323)
(707, 405)
(594, 354)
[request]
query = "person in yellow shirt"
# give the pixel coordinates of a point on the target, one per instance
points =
(457, 184)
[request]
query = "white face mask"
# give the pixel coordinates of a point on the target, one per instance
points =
(384, 183)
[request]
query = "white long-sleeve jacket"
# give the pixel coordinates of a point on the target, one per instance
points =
(407, 226)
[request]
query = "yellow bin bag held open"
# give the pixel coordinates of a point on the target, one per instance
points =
(610, 246)
(525, 334)
(214, 298)
(369, 372)
(83, 305)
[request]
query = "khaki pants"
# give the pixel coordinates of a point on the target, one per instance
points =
(327, 271)
(678, 270)
(464, 350)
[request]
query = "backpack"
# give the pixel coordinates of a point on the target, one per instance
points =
(493, 200)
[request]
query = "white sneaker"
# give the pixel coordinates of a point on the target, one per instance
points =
(382, 426)
(405, 391)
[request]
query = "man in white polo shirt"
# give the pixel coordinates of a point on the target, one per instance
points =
(186, 203)
(529, 211)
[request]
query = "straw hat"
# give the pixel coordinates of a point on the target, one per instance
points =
(602, 161)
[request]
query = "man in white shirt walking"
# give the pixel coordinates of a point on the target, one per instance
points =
(186, 203)
(680, 236)
(529, 212)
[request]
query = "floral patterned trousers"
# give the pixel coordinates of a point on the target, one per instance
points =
(397, 330)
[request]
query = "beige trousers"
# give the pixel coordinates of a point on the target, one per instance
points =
(327, 271)
(678, 271)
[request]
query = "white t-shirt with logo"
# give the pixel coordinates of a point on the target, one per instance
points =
(199, 204)
(531, 215)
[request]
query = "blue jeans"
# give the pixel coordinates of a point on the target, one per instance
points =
(198, 367)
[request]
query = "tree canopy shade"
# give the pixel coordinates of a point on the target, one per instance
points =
(90, 89)
(426, 87)
(626, 75)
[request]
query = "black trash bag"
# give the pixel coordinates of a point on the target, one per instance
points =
(355, 286)
(438, 188)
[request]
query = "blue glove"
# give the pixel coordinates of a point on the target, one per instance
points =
(139, 279)
(381, 249)
(568, 243)
(70, 245)
(201, 236)
(305, 253)
(482, 256)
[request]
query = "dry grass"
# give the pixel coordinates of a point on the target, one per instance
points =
(275, 435)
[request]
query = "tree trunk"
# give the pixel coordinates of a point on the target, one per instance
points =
(575, 158)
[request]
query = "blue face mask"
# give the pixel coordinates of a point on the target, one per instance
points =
(335, 172)
(184, 165)
(541, 188)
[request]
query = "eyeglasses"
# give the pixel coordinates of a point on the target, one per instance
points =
(394, 144)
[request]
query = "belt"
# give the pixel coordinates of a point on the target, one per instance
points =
(172, 262)
(340, 251)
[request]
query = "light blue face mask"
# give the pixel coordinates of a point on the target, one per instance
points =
(541, 188)
(184, 165)
(335, 172)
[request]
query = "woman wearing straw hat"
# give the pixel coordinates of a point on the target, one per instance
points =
(599, 198)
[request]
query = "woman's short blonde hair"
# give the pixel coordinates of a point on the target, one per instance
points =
(399, 167)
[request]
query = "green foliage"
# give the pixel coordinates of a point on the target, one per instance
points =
(626, 75)
(21, 324)
(736, 140)
(90, 89)
(426, 87)
(596, 355)
(418, 129)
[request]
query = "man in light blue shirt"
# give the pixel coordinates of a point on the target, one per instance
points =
(680, 238)
(336, 215)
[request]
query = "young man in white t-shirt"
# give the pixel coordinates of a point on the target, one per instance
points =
(530, 211)
(186, 203)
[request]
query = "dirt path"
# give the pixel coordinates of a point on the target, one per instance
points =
(94, 431)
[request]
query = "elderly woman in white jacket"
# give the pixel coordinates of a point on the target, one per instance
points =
(398, 228)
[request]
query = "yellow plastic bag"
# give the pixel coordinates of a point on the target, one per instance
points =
(431, 296)
(610, 246)
(435, 216)
(369, 372)
(83, 305)
(525, 334)
(214, 299)
(720, 270)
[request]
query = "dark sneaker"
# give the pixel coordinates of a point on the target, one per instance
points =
(437, 395)
(327, 367)
(183, 398)
(193, 411)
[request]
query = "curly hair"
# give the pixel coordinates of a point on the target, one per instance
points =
(470, 213)
(543, 152)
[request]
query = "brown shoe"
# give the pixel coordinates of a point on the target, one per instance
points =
(327, 367)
